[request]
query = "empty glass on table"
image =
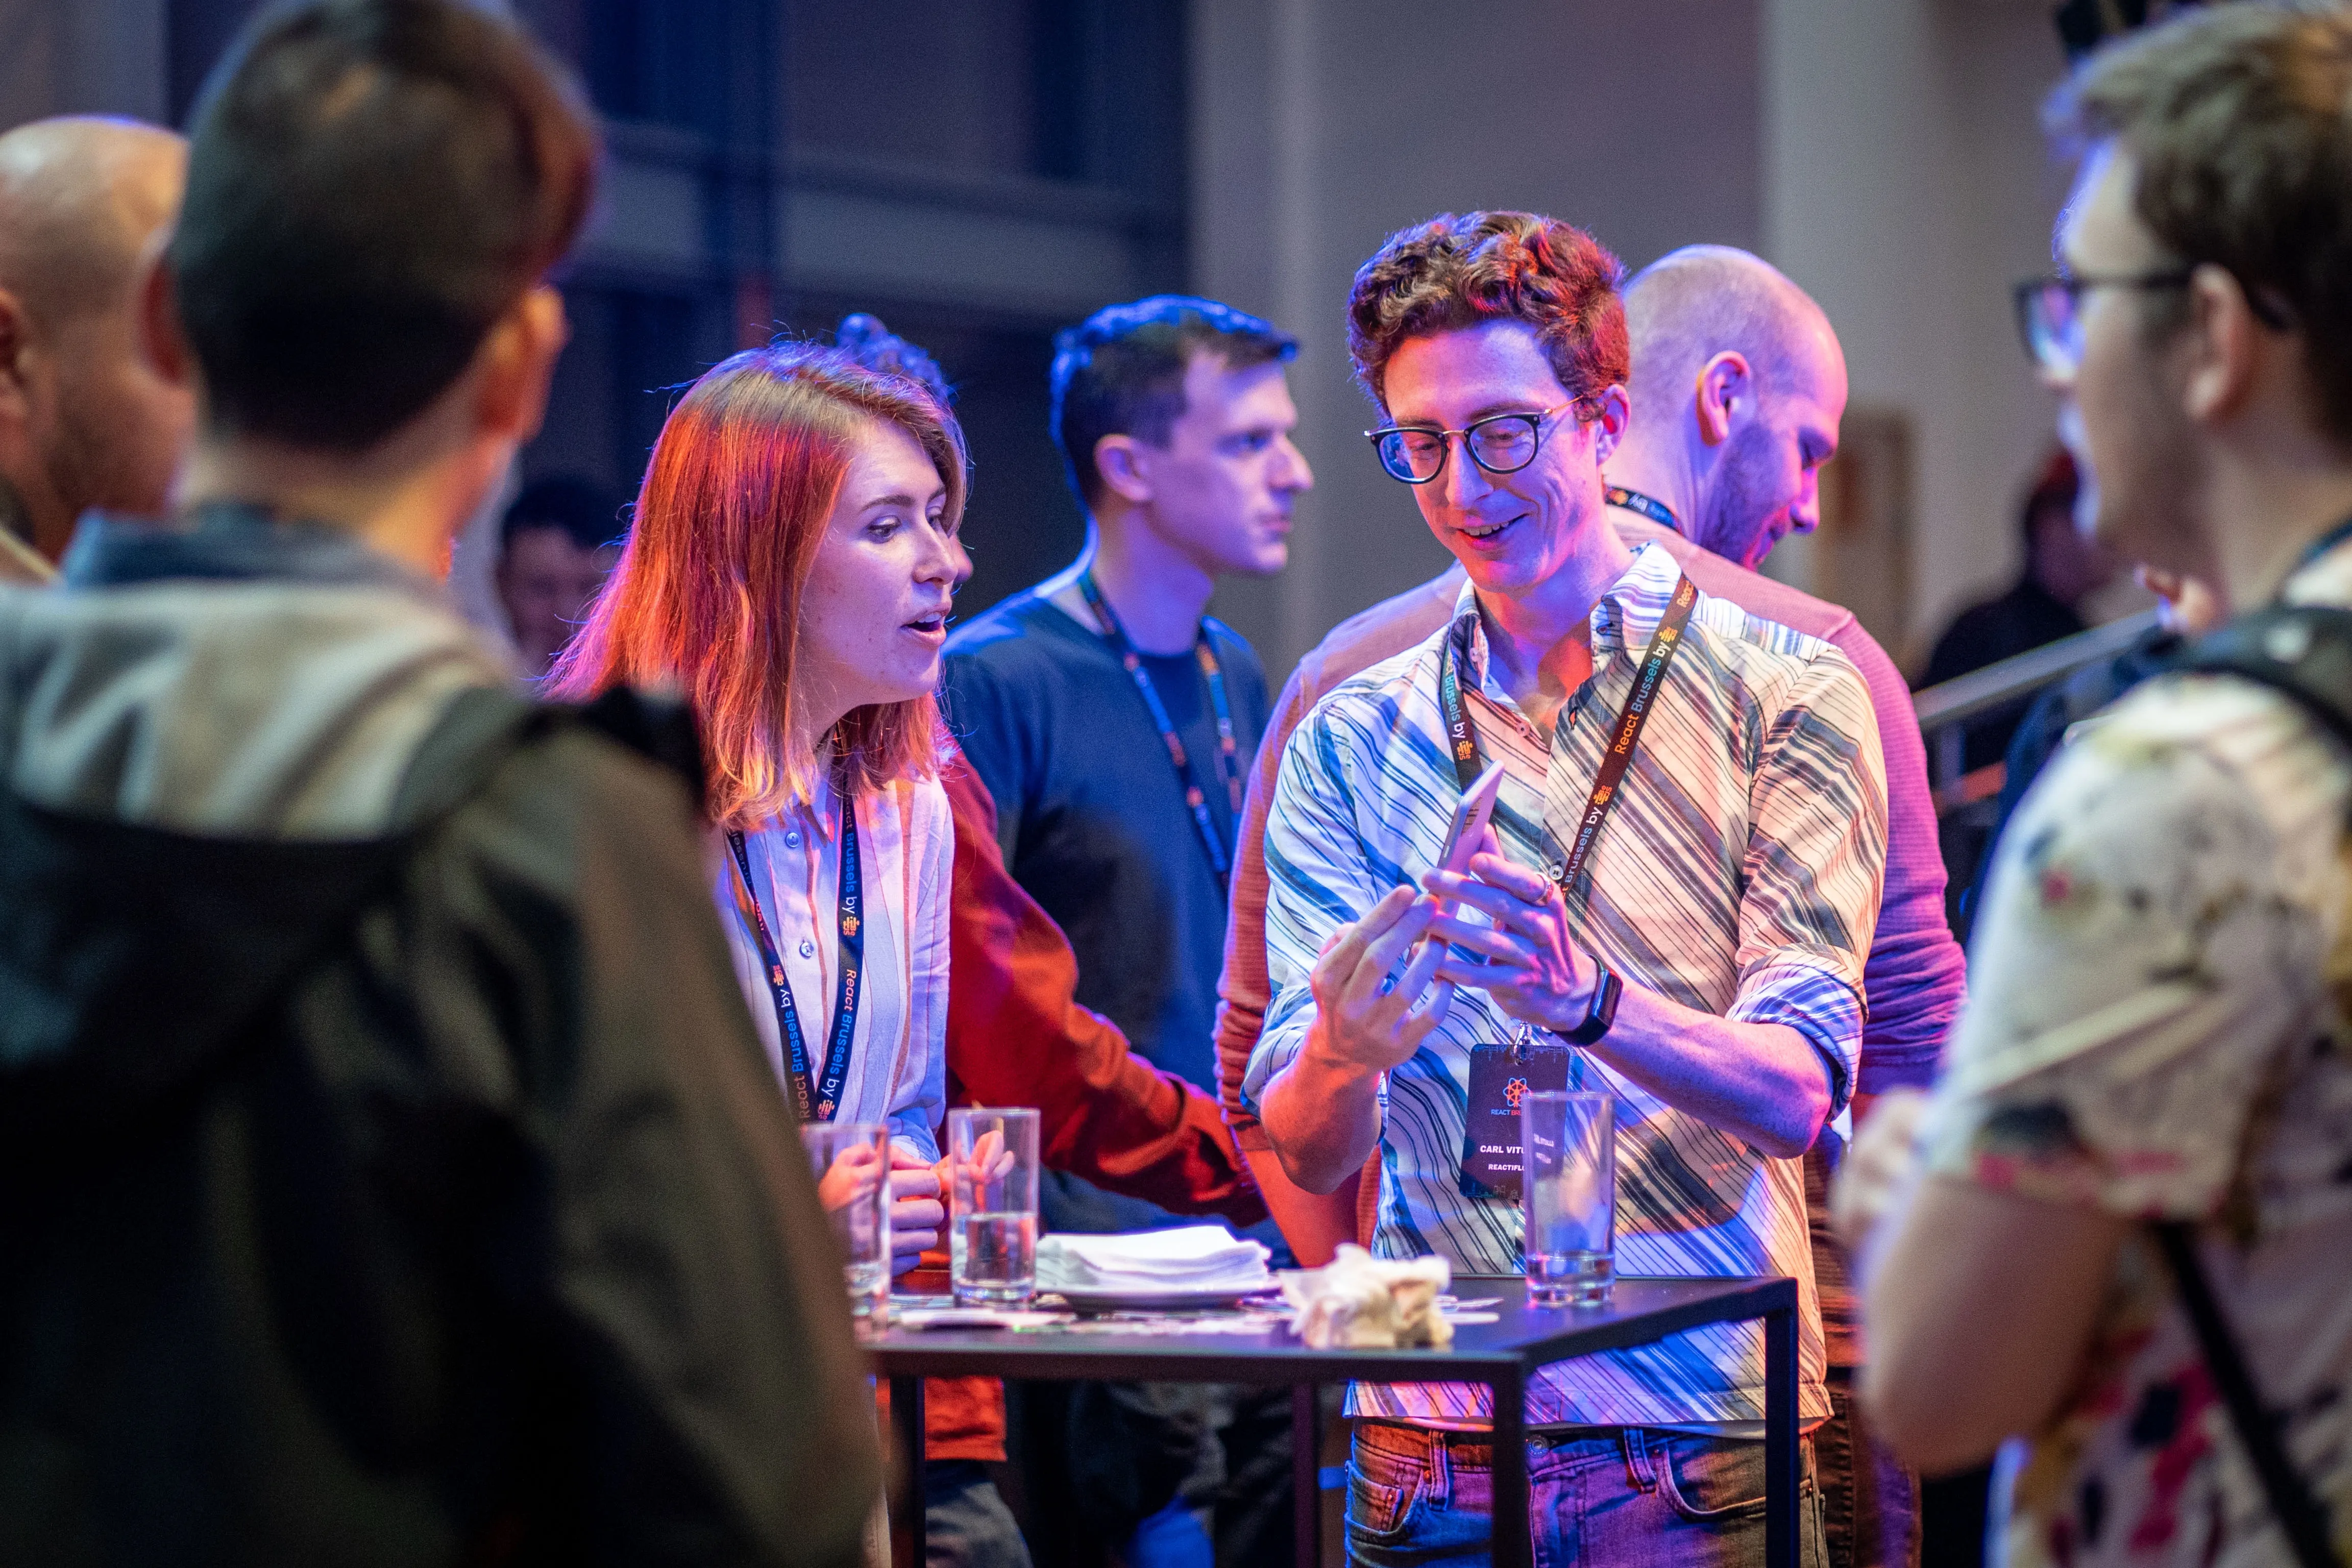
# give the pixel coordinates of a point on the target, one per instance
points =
(1569, 1145)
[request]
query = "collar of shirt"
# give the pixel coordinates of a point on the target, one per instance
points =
(234, 542)
(1623, 620)
(820, 813)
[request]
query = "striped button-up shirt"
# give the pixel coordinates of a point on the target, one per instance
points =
(1739, 874)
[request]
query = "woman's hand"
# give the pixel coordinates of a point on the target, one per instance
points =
(852, 1175)
(1534, 972)
(916, 1213)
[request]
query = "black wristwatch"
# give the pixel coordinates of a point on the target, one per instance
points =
(1601, 1012)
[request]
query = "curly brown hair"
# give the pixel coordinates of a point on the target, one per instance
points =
(2239, 120)
(1453, 272)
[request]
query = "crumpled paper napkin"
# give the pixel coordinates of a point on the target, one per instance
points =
(1358, 1301)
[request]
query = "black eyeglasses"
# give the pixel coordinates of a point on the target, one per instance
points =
(2050, 310)
(1500, 443)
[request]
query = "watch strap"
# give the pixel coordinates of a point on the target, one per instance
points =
(1601, 1012)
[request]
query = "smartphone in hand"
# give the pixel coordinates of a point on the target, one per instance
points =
(1470, 817)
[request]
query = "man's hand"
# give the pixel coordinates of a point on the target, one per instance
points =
(915, 1215)
(1880, 1168)
(1533, 971)
(1361, 1022)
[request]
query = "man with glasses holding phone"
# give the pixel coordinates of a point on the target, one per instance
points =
(1695, 924)
(2120, 1229)
(1738, 386)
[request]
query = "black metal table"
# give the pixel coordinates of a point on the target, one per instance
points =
(1502, 1354)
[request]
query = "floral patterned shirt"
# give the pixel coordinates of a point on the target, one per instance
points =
(2158, 1026)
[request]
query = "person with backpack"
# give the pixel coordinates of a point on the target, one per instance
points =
(389, 1170)
(2120, 1229)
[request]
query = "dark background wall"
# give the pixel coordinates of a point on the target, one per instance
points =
(981, 171)
(978, 172)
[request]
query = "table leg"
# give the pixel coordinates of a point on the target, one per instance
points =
(907, 1543)
(1513, 1545)
(1782, 1468)
(1306, 1476)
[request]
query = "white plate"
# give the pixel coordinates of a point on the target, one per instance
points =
(1180, 1300)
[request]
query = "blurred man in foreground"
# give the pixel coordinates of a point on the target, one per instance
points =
(84, 420)
(1737, 386)
(2149, 1091)
(387, 1164)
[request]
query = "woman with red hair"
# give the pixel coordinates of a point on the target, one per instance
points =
(790, 567)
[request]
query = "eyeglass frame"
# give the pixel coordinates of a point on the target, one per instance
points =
(2026, 292)
(1446, 437)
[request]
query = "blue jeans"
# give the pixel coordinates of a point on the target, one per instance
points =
(1636, 1498)
(1870, 1503)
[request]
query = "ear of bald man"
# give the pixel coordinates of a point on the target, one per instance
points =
(1721, 382)
(85, 421)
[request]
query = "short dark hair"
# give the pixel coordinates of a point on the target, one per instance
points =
(1456, 273)
(2238, 120)
(584, 510)
(1121, 372)
(865, 339)
(371, 184)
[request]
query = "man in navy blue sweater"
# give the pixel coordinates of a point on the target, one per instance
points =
(1115, 723)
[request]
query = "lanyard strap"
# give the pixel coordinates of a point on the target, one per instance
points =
(1657, 510)
(1622, 740)
(1229, 767)
(817, 1101)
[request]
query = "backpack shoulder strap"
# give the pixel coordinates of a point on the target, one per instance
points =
(2301, 1516)
(473, 734)
(2302, 651)
(659, 728)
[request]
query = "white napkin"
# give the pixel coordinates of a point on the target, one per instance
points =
(1190, 1257)
(1358, 1301)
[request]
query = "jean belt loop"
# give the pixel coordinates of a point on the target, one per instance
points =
(1438, 1480)
(1639, 1469)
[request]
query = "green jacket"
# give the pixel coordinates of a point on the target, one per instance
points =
(412, 1196)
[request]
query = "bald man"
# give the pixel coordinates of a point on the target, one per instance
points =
(84, 421)
(1715, 473)
(1739, 385)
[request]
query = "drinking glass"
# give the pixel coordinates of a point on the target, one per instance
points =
(992, 1205)
(851, 1162)
(1570, 1144)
